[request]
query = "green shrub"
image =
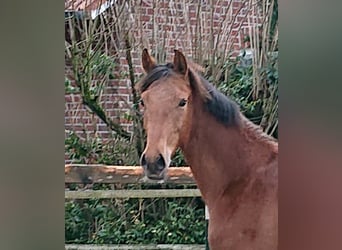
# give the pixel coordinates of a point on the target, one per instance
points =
(90, 149)
(167, 221)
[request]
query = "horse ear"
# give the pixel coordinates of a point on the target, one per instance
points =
(148, 61)
(180, 64)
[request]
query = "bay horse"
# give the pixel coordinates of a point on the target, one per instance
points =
(234, 164)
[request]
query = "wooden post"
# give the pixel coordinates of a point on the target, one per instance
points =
(206, 227)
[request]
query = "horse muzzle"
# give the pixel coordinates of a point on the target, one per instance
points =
(154, 167)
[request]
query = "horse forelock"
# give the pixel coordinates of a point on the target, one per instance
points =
(155, 74)
(165, 70)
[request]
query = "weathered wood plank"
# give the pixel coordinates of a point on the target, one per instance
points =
(134, 247)
(115, 194)
(87, 174)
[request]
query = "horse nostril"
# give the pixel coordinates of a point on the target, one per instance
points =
(160, 162)
(143, 160)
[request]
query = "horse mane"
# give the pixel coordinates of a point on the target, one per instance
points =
(224, 109)
(220, 106)
(255, 132)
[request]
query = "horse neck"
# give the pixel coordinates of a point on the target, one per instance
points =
(220, 155)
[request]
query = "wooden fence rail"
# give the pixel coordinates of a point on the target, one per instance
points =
(132, 247)
(87, 174)
(117, 194)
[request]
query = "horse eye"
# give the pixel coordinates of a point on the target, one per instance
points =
(182, 103)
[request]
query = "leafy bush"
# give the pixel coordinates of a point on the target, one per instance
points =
(94, 149)
(178, 159)
(133, 221)
(239, 85)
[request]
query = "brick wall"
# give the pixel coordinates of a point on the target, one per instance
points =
(162, 26)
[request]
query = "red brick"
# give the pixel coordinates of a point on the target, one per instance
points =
(235, 4)
(172, 43)
(150, 11)
(91, 127)
(111, 90)
(126, 91)
(192, 15)
(145, 18)
(163, 4)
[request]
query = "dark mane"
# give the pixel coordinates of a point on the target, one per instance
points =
(220, 106)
